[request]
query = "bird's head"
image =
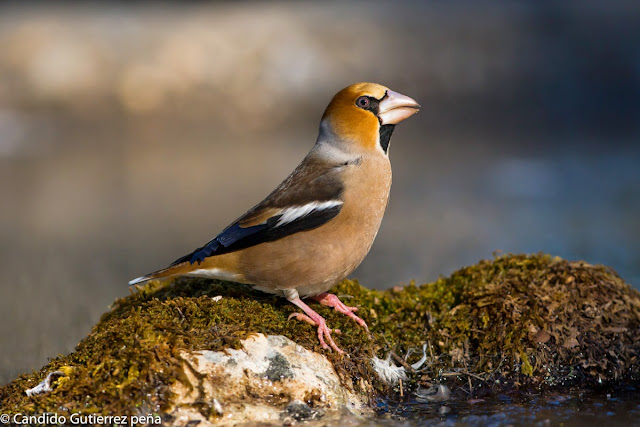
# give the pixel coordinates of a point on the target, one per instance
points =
(363, 115)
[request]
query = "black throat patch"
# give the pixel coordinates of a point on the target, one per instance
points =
(385, 136)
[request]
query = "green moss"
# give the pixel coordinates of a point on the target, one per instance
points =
(511, 322)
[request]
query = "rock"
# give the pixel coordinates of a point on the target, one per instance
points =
(436, 393)
(267, 380)
(300, 411)
(213, 352)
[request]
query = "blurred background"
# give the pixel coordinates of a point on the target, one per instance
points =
(131, 133)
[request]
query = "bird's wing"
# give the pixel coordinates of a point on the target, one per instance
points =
(309, 197)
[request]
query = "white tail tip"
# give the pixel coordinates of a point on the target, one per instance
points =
(139, 280)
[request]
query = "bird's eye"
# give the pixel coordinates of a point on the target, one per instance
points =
(363, 102)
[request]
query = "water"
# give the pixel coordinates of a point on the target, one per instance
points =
(574, 408)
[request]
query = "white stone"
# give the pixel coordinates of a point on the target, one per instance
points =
(256, 383)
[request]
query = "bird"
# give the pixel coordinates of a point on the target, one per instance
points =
(318, 225)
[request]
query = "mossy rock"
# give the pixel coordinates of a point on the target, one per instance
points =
(510, 323)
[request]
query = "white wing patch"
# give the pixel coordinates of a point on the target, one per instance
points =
(293, 213)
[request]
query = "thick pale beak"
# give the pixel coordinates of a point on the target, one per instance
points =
(396, 107)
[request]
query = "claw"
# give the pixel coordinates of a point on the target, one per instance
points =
(331, 300)
(303, 317)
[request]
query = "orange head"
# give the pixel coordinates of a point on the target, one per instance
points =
(363, 115)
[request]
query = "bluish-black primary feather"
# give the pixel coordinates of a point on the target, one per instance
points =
(235, 237)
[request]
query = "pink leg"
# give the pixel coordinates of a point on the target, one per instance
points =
(333, 301)
(316, 320)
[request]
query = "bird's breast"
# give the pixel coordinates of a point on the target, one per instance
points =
(366, 197)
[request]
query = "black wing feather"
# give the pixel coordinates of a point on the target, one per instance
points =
(235, 237)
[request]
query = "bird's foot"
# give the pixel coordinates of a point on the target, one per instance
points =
(313, 318)
(302, 317)
(331, 300)
(305, 318)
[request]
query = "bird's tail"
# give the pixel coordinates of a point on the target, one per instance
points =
(165, 273)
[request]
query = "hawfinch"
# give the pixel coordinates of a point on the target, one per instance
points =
(317, 226)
